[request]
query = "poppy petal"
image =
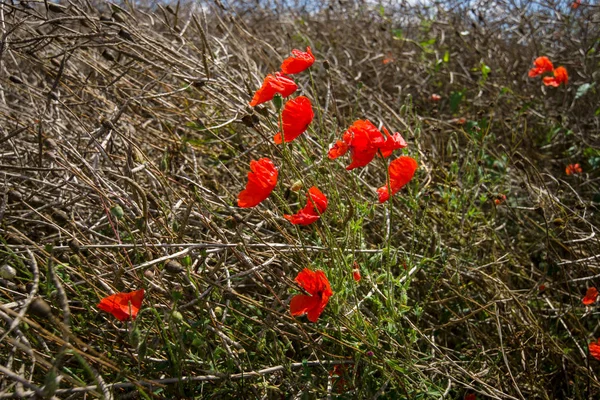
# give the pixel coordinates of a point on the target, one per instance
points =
(272, 85)
(308, 214)
(262, 179)
(590, 297)
(392, 142)
(301, 303)
(298, 62)
(338, 149)
(595, 349)
(296, 116)
(401, 171)
(123, 305)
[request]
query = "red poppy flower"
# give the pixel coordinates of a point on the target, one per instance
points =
(308, 214)
(435, 97)
(123, 305)
(501, 198)
(297, 114)
(317, 285)
(575, 4)
(573, 169)
(401, 171)
(560, 76)
(595, 349)
(542, 65)
(363, 139)
(272, 85)
(590, 296)
(298, 62)
(261, 181)
(470, 396)
(356, 271)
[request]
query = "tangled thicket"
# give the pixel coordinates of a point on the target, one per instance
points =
(125, 136)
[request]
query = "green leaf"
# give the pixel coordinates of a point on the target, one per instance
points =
(446, 56)
(485, 70)
(381, 11)
(397, 33)
(583, 89)
(455, 99)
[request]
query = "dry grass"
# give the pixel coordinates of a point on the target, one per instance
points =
(143, 109)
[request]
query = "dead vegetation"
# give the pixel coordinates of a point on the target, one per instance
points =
(125, 136)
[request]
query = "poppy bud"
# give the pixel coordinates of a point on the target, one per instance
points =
(218, 311)
(176, 315)
(40, 308)
(173, 267)
(50, 143)
(60, 216)
(15, 196)
(119, 17)
(125, 35)
(278, 101)
(15, 79)
(75, 245)
(7, 272)
(108, 55)
(57, 8)
(117, 211)
(296, 186)
(326, 65)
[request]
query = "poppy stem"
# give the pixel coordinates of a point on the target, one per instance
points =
(319, 111)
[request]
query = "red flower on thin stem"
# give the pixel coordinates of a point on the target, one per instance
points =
(310, 214)
(262, 179)
(364, 140)
(123, 305)
(356, 272)
(435, 97)
(542, 65)
(297, 114)
(319, 290)
(401, 171)
(575, 4)
(573, 169)
(272, 85)
(298, 62)
(590, 296)
(595, 349)
(501, 198)
(560, 76)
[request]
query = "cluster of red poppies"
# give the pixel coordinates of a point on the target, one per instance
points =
(296, 116)
(362, 139)
(544, 65)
